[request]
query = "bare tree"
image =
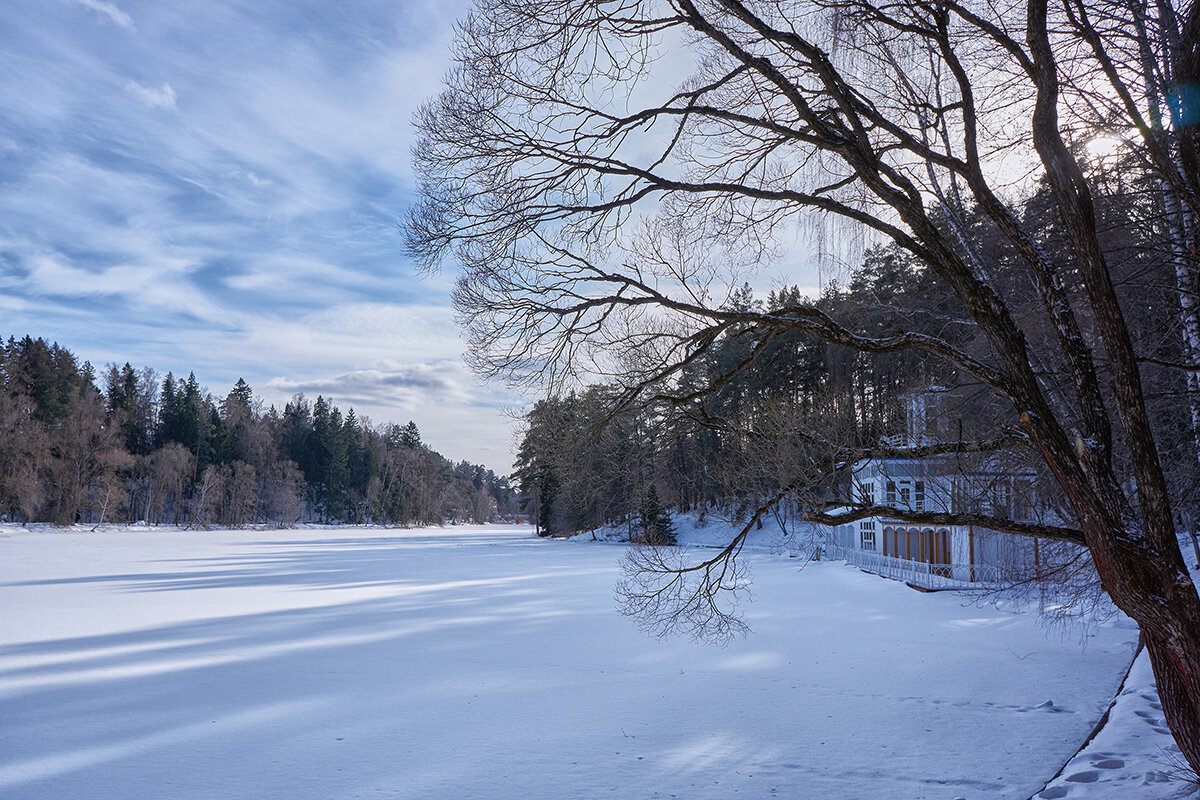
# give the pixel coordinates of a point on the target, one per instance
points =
(84, 451)
(555, 155)
(23, 457)
(241, 495)
(208, 498)
(109, 494)
(667, 596)
(281, 501)
(168, 470)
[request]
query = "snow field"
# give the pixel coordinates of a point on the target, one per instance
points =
(481, 662)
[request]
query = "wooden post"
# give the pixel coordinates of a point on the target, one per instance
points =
(971, 544)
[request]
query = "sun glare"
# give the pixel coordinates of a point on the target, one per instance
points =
(1104, 146)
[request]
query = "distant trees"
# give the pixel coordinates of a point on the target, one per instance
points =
(579, 465)
(724, 436)
(169, 452)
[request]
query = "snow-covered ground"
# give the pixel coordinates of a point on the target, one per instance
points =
(1133, 756)
(481, 662)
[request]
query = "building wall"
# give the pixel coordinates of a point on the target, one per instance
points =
(936, 484)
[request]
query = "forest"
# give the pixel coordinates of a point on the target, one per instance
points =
(127, 446)
(761, 417)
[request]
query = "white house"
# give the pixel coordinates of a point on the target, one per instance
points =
(935, 555)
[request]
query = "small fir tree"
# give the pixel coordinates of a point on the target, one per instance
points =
(655, 524)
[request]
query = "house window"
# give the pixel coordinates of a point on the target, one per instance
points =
(866, 534)
(963, 497)
(868, 493)
(905, 494)
(1000, 499)
(891, 493)
(1022, 499)
(919, 496)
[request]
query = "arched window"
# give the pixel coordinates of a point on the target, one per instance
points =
(938, 556)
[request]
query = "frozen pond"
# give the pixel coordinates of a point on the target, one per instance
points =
(481, 662)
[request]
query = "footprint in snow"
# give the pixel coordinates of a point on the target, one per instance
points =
(1109, 763)
(1053, 793)
(1153, 720)
(1047, 706)
(1087, 776)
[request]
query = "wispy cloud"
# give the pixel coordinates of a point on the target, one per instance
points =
(162, 97)
(189, 199)
(111, 11)
(404, 386)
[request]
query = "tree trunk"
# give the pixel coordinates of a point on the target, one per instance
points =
(1176, 664)
(1136, 552)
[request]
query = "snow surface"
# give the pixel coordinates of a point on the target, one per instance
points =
(1133, 756)
(482, 662)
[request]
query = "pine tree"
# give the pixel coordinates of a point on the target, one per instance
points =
(410, 436)
(237, 415)
(242, 395)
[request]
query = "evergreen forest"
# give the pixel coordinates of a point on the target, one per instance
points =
(126, 445)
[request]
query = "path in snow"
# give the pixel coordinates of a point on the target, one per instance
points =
(485, 663)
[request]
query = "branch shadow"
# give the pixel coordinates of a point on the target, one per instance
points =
(288, 700)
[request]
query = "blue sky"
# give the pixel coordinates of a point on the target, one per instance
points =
(215, 186)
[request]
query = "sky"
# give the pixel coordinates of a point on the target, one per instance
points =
(216, 187)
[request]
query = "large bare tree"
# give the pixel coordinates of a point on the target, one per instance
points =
(600, 169)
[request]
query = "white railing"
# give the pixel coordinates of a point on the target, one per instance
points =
(918, 573)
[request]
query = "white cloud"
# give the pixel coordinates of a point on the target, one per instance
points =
(161, 286)
(253, 179)
(111, 11)
(301, 277)
(457, 417)
(345, 338)
(163, 97)
(12, 304)
(403, 386)
(250, 231)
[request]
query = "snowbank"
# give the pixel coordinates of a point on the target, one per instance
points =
(1133, 755)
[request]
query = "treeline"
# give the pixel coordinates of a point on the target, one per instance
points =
(127, 446)
(723, 436)
(764, 412)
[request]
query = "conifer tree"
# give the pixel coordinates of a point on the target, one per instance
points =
(655, 525)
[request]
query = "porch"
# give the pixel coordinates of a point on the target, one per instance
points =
(918, 573)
